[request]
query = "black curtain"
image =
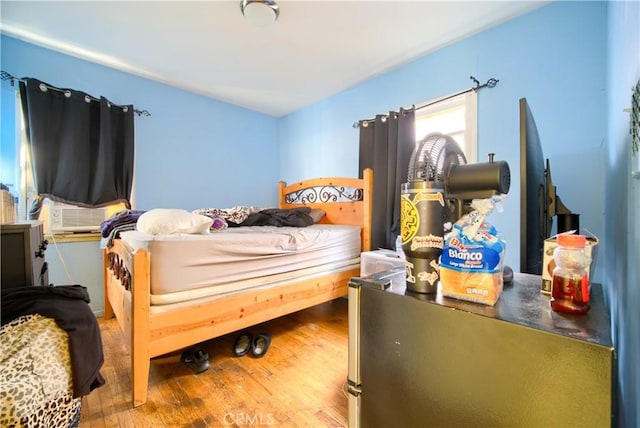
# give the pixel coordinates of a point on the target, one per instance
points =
(386, 144)
(81, 148)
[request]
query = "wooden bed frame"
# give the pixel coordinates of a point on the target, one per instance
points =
(127, 283)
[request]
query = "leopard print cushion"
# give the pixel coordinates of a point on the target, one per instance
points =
(35, 375)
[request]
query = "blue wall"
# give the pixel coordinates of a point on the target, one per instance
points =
(553, 56)
(192, 152)
(623, 204)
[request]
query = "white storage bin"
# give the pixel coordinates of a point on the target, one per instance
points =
(379, 260)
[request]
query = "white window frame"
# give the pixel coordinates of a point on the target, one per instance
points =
(26, 192)
(467, 103)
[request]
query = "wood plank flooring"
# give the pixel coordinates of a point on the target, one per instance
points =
(300, 382)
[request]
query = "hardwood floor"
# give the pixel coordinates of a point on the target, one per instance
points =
(300, 382)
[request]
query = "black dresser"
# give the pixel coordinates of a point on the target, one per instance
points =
(429, 360)
(23, 248)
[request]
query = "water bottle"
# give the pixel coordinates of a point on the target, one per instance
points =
(421, 226)
(570, 281)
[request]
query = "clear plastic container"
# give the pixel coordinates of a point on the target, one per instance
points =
(570, 281)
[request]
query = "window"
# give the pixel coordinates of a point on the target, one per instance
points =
(79, 220)
(456, 117)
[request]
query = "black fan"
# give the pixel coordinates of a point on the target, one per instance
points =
(423, 209)
(433, 156)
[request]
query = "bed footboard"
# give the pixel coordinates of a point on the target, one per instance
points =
(126, 291)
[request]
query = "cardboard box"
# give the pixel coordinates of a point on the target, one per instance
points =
(548, 264)
(8, 208)
(379, 260)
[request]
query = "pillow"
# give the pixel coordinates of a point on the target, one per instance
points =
(316, 215)
(218, 222)
(167, 221)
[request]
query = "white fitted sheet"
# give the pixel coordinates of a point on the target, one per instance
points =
(184, 267)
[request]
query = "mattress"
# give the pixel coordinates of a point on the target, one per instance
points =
(185, 266)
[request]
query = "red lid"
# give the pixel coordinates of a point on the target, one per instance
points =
(570, 240)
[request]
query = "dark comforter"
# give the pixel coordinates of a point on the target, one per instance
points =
(68, 306)
(295, 217)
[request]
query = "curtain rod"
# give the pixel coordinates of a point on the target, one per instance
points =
(6, 76)
(489, 84)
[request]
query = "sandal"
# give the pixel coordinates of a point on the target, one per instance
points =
(196, 359)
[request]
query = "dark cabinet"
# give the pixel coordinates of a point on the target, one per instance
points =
(23, 255)
(428, 360)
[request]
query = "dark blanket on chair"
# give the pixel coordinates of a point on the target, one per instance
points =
(68, 306)
(296, 217)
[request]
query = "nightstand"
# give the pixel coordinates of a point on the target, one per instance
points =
(22, 255)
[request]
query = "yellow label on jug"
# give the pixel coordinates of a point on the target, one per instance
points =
(409, 218)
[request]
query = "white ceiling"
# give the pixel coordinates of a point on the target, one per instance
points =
(315, 49)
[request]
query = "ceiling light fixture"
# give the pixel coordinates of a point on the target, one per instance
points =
(260, 13)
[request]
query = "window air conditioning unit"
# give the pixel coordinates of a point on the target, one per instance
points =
(69, 218)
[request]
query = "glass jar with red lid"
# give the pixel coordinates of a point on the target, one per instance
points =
(570, 281)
